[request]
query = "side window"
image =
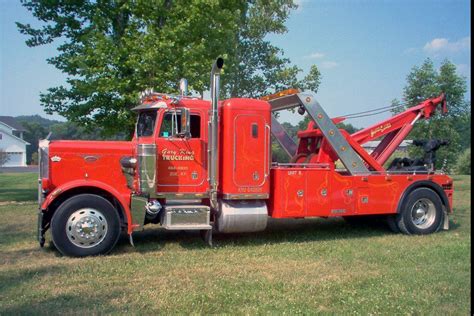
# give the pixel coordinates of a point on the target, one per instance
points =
(146, 123)
(254, 130)
(168, 125)
(195, 126)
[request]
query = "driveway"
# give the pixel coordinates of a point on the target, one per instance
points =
(18, 169)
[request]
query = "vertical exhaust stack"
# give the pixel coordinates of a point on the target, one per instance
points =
(213, 147)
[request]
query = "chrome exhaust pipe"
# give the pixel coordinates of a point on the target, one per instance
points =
(213, 147)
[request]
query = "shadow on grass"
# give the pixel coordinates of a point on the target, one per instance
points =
(21, 277)
(16, 232)
(74, 304)
(278, 231)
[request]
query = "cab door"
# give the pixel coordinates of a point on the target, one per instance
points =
(181, 160)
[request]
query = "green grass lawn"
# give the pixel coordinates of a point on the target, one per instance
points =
(18, 186)
(295, 266)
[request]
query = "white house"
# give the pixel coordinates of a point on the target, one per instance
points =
(370, 146)
(12, 142)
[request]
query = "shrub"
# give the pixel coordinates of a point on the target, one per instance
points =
(463, 165)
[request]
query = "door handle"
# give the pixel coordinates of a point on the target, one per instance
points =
(268, 151)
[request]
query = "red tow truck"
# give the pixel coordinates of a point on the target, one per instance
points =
(207, 165)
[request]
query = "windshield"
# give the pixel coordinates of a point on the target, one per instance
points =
(146, 123)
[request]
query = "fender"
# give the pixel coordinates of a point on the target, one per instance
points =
(425, 184)
(123, 200)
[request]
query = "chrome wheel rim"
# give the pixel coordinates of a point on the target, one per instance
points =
(86, 228)
(423, 213)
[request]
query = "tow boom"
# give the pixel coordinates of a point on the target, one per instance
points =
(324, 142)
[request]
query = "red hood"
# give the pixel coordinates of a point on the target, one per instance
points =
(91, 147)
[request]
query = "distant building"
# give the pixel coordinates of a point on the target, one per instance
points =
(370, 146)
(12, 142)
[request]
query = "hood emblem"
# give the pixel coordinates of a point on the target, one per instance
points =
(55, 159)
(91, 158)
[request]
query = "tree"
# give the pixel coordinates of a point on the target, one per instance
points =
(4, 157)
(38, 128)
(112, 50)
(34, 132)
(425, 82)
(302, 125)
(463, 165)
(279, 155)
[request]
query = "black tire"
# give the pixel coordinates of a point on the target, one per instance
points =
(406, 221)
(99, 208)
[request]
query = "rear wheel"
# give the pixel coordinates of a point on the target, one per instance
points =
(85, 225)
(421, 213)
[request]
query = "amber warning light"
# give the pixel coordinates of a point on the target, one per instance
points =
(280, 94)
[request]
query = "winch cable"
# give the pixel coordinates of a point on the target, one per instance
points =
(369, 114)
(373, 111)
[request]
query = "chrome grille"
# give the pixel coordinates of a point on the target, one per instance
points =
(43, 164)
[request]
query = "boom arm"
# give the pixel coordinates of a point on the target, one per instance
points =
(396, 128)
(348, 148)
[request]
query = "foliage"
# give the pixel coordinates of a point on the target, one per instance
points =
(112, 50)
(425, 82)
(36, 119)
(38, 128)
(34, 132)
(34, 159)
(279, 155)
(463, 165)
(462, 124)
(4, 157)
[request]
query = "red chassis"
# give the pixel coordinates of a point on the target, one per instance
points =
(199, 165)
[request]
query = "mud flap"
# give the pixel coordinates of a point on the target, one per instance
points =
(41, 229)
(131, 240)
(206, 235)
(446, 220)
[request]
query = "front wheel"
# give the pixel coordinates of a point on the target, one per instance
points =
(85, 225)
(421, 213)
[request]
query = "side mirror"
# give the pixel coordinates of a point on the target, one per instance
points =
(185, 123)
(181, 128)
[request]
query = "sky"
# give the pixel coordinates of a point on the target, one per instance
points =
(364, 50)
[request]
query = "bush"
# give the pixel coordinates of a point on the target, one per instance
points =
(34, 158)
(463, 165)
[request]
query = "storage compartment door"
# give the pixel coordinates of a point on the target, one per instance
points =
(289, 193)
(251, 156)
